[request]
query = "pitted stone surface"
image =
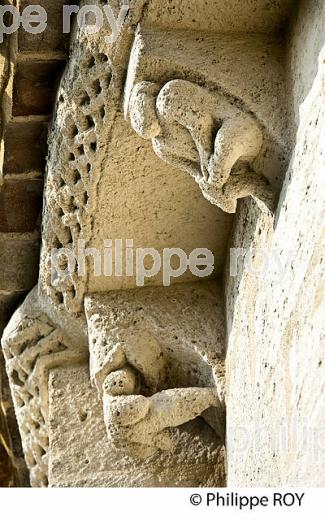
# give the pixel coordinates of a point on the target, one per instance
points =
(213, 140)
(81, 455)
(155, 382)
(275, 363)
(177, 370)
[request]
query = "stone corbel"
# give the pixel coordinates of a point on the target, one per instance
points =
(130, 366)
(204, 134)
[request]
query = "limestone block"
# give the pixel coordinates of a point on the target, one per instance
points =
(52, 39)
(35, 86)
(19, 257)
(275, 363)
(219, 161)
(91, 148)
(20, 205)
(249, 71)
(232, 16)
(229, 132)
(181, 326)
(29, 137)
(32, 345)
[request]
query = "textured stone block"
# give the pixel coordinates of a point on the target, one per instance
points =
(24, 146)
(231, 16)
(34, 88)
(276, 365)
(52, 39)
(19, 260)
(20, 205)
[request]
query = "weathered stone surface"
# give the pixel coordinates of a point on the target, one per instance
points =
(86, 198)
(160, 114)
(81, 456)
(19, 256)
(179, 367)
(219, 16)
(256, 62)
(32, 345)
(86, 203)
(29, 137)
(179, 318)
(35, 86)
(207, 84)
(52, 39)
(275, 364)
(20, 205)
